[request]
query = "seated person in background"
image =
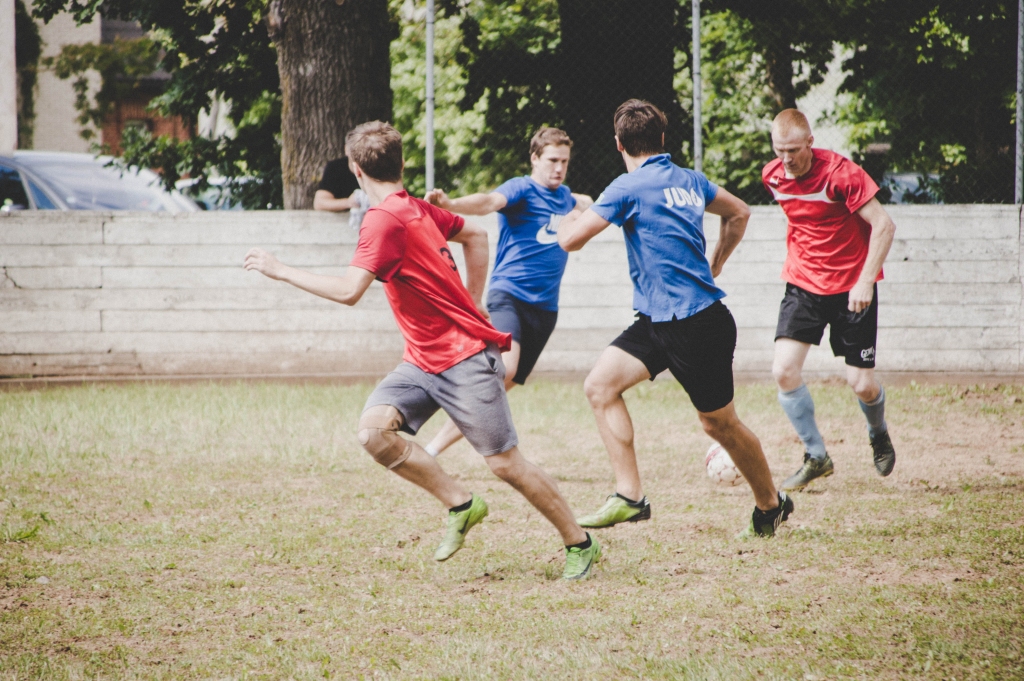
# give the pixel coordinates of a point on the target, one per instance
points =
(339, 191)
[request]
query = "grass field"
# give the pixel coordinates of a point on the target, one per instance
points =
(166, 531)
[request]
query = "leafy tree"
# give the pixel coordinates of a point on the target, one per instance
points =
(122, 65)
(290, 101)
(935, 80)
(211, 50)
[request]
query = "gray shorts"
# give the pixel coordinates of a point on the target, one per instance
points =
(472, 393)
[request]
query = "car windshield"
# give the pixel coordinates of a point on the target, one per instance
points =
(87, 184)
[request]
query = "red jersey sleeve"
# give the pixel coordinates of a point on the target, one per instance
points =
(449, 223)
(381, 246)
(850, 183)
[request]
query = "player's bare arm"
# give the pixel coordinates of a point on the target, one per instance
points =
(734, 213)
(882, 232)
(346, 289)
(474, 249)
(579, 227)
(473, 204)
(583, 201)
(324, 200)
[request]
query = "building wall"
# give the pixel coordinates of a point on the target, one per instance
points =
(56, 127)
(130, 294)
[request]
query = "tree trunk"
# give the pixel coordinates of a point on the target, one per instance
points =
(612, 51)
(335, 67)
(779, 70)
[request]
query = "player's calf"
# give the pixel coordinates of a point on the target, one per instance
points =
(378, 434)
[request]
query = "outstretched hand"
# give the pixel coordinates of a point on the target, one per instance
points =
(438, 198)
(263, 262)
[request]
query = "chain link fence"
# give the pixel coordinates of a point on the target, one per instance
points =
(922, 99)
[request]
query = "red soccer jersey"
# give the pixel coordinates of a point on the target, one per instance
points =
(404, 242)
(826, 240)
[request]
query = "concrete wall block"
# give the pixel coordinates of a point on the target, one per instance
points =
(236, 342)
(46, 321)
(54, 277)
(243, 233)
(166, 256)
(18, 233)
(196, 278)
(343, 319)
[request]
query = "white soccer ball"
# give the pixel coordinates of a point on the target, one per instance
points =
(720, 467)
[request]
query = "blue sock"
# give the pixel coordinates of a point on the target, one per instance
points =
(799, 407)
(875, 413)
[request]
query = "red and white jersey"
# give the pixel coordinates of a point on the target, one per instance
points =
(826, 240)
(404, 242)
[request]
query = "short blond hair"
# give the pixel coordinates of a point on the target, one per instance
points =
(789, 120)
(376, 147)
(548, 136)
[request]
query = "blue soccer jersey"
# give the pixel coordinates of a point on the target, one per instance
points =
(529, 263)
(660, 208)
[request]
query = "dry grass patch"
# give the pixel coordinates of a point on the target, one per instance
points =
(237, 531)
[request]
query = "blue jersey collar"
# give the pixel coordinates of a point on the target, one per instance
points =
(657, 158)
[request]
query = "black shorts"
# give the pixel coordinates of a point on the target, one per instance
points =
(803, 316)
(530, 326)
(697, 350)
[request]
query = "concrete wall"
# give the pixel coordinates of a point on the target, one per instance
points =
(131, 294)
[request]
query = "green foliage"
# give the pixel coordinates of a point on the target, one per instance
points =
(28, 47)
(935, 80)
(491, 89)
(122, 66)
(212, 51)
(737, 105)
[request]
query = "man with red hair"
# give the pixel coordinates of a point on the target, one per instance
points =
(836, 241)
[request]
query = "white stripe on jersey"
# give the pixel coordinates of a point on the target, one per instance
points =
(817, 196)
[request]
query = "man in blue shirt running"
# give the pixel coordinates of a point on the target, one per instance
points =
(681, 323)
(523, 295)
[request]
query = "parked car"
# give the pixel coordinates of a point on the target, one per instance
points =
(42, 180)
(217, 196)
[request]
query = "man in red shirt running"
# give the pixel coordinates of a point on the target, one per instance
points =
(452, 357)
(836, 241)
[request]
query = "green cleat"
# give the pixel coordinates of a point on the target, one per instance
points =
(617, 510)
(810, 470)
(459, 523)
(764, 523)
(579, 562)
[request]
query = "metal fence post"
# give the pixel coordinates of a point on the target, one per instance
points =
(430, 96)
(698, 142)
(1018, 180)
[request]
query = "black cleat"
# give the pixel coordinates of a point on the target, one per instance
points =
(764, 523)
(812, 468)
(884, 454)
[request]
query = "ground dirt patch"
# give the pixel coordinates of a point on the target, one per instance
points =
(236, 530)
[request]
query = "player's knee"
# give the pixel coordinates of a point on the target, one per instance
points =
(718, 426)
(598, 392)
(506, 466)
(786, 374)
(378, 434)
(863, 384)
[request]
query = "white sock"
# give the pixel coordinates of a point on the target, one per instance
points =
(431, 450)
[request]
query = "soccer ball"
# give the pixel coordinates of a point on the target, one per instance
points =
(721, 469)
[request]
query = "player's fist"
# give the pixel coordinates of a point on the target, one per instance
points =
(265, 263)
(482, 308)
(860, 296)
(437, 197)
